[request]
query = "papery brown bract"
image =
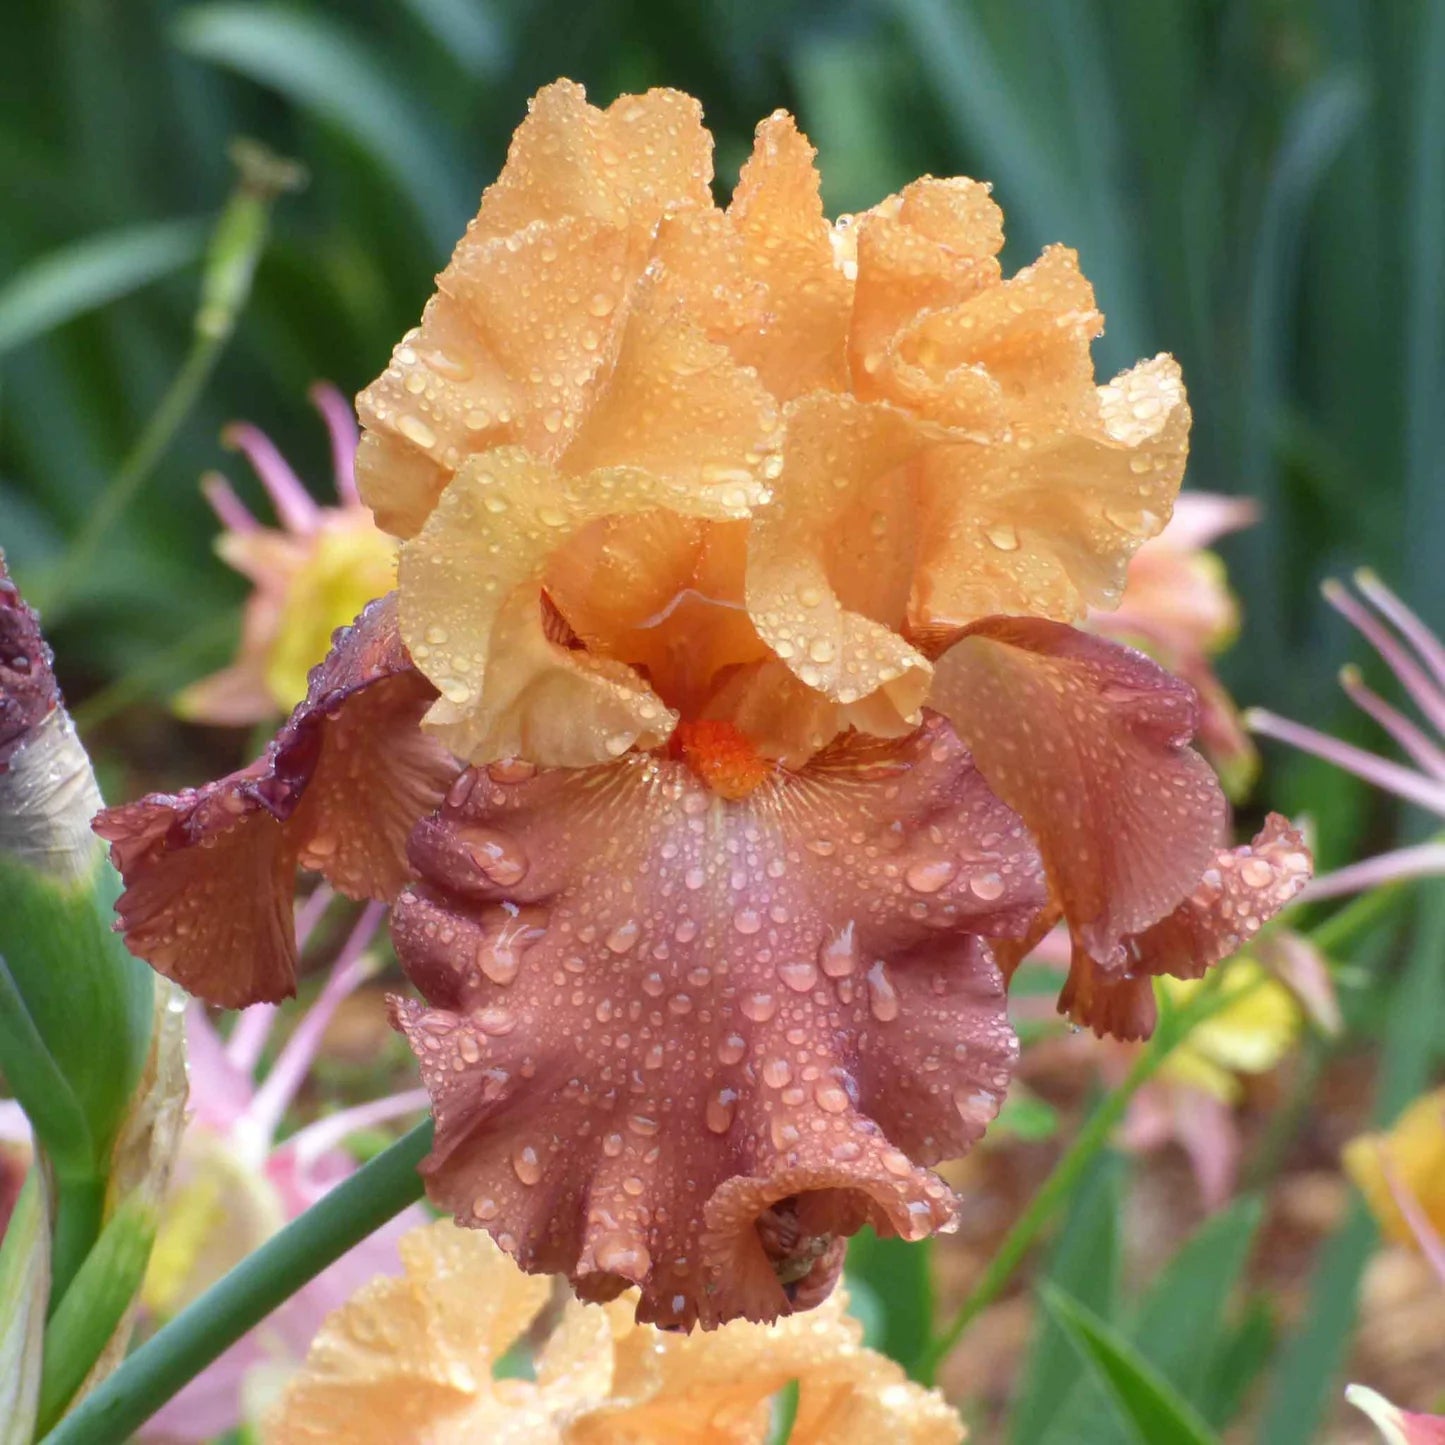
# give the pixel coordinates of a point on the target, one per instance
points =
(687, 1043)
(210, 872)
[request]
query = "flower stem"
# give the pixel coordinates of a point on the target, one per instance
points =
(1172, 1029)
(180, 1350)
(235, 248)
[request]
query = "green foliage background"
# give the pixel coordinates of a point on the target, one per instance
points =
(1255, 185)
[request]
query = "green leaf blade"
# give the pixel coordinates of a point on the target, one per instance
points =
(1157, 1413)
(91, 273)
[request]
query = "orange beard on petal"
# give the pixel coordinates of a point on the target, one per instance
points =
(689, 1043)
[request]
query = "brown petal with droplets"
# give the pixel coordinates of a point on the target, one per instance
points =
(1240, 891)
(209, 872)
(1088, 742)
(688, 1042)
(1237, 894)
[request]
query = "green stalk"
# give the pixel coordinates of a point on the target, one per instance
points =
(1173, 1029)
(179, 1351)
(235, 248)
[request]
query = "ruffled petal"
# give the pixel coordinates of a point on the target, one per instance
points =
(509, 352)
(628, 165)
(528, 312)
(1014, 354)
(933, 246)
(662, 593)
(777, 212)
(209, 872)
(1239, 892)
(1088, 742)
(690, 1389)
(816, 569)
(1045, 522)
(614, 952)
(678, 407)
(472, 614)
(411, 1358)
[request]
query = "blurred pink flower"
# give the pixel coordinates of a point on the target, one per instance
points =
(234, 1186)
(1177, 607)
(1398, 1427)
(1417, 657)
(312, 575)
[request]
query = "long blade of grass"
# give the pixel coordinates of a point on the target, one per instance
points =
(90, 273)
(1424, 318)
(1084, 1266)
(1180, 1323)
(1157, 1414)
(1317, 129)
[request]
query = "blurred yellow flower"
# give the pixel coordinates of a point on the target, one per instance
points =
(1250, 1035)
(1413, 1151)
(312, 574)
(410, 1361)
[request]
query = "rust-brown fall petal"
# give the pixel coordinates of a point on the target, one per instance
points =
(210, 872)
(688, 1043)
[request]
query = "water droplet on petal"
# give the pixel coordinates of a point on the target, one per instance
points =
(496, 856)
(721, 1109)
(732, 1049)
(747, 920)
(526, 1165)
(928, 875)
(621, 1254)
(838, 956)
(799, 974)
(777, 1072)
(783, 1131)
(882, 996)
(1256, 873)
(623, 936)
(759, 1007)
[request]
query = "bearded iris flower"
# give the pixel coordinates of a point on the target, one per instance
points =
(727, 739)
